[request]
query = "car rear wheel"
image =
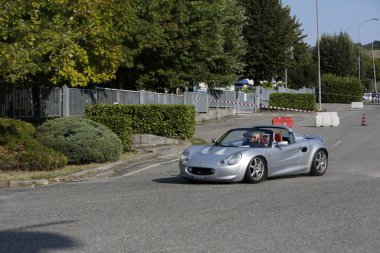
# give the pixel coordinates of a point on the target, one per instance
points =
(256, 171)
(320, 162)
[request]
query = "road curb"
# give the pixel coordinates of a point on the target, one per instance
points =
(145, 154)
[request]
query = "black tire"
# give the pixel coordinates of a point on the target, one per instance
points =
(319, 164)
(257, 170)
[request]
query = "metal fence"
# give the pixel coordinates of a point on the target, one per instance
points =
(64, 101)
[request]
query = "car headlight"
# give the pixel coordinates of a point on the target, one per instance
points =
(185, 156)
(234, 159)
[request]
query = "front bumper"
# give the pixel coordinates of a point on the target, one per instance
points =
(234, 173)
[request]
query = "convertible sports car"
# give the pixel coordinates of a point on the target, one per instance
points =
(254, 154)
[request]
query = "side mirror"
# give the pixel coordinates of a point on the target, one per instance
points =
(282, 143)
(213, 140)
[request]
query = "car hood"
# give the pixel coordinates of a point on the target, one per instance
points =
(215, 150)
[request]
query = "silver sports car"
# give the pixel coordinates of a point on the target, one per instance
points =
(254, 154)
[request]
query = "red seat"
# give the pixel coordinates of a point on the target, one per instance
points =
(277, 137)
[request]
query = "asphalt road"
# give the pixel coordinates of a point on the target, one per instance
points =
(148, 208)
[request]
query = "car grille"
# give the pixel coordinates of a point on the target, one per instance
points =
(200, 171)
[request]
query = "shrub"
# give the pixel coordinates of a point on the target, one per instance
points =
(20, 151)
(121, 126)
(81, 140)
(294, 101)
(336, 89)
(13, 132)
(173, 121)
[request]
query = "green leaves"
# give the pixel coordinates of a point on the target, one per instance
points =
(338, 55)
(295, 101)
(274, 39)
(188, 42)
(337, 89)
(174, 121)
(69, 42)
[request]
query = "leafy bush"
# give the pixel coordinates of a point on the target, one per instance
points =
(20, 151)
(173, 121)
(336, 89)
(81, 140)
(121, 126)
(294, 101)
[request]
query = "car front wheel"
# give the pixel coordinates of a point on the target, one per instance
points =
(319, 165)
(256, 171)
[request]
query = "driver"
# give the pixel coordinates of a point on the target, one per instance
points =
(255, 139)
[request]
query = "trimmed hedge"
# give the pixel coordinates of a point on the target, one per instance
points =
(294, 101)
(81, 140)
(20, 151)
(172, 121)
(336, 89)
(121, 126)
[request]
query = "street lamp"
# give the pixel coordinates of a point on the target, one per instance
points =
(365, 21)
(374, 68)
(319, 61)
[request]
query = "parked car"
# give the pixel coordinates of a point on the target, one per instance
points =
(367, 96)
(254, 154)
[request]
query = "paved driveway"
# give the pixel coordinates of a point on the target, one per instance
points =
(148, 208)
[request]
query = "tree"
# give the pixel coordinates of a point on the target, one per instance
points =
(187, 42)
(369, 79)
(305, 75)
(274, 39)
(338, 55)
(76, 42)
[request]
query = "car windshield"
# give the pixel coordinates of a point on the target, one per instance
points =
(256, 138)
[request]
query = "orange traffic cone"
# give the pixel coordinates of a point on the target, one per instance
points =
(364, 121)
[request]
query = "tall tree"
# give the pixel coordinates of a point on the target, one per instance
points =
(303, 75)
(338, 55)
(188, 42)
(274, 39)
(75, 42)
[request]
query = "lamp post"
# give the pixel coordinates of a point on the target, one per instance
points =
(319, 61)
(374, 68)
(365, 21)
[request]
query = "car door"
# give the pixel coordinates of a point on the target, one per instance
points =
(284, 159)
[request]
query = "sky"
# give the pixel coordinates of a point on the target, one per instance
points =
(337, 16)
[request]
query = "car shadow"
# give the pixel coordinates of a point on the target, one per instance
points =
(177, 179)
(19, 240)
(287, 177)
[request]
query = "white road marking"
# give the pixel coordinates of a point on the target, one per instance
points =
(166, 156)
(336, 144)
(151, 166)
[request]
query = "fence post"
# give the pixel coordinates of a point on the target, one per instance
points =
(141, 92)
(196, 102)
(208, 103)
(117, 96)
(65, 101)
(257, 98)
